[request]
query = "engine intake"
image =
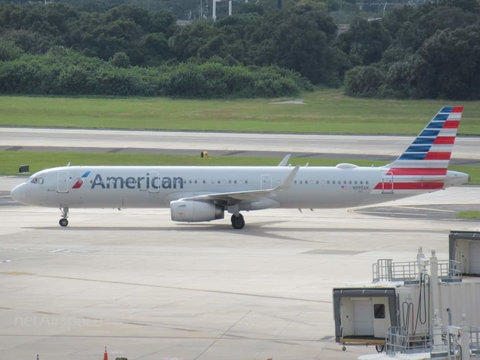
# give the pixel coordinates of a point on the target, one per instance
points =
(195, 211)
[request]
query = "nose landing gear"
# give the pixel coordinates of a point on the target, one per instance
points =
(63, 221)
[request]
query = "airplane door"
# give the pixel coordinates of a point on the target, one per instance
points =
(62, 183)
(155, 183)
(387, 183)
(266, 182)
(363, 318)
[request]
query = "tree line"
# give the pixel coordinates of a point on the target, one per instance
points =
(427, 51)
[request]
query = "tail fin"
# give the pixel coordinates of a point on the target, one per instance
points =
(433, 146)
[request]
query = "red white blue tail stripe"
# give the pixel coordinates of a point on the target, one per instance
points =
(433, 146)
(423, 166)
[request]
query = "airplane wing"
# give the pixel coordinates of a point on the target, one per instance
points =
(232, 198)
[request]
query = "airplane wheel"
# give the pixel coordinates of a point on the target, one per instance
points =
(238, 222)
(63, 222)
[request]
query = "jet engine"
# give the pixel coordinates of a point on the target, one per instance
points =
(193, 211)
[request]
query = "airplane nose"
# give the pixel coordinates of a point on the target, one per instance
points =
(18, 193)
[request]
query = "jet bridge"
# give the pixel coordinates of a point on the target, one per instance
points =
(403, 295)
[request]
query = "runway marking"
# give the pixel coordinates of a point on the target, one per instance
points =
(221, 336)
(45, 313)
(423, 208)
(170, 287)
(394, 213)
(331, 252)
(134, 323)
(74, 251)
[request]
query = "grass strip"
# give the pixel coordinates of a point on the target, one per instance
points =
(468, 215)
(323, 111)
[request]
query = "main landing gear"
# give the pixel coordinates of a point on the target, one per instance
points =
(63, 221)
(237, 221)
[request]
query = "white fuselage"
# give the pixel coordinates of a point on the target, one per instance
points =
(156, 187)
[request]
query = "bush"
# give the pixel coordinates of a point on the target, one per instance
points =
(364, 81)
(65, 72)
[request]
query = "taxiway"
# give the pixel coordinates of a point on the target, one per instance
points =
(148, 288)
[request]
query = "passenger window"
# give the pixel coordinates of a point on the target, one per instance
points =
(301, 182)
(219, 181)
(295, 182)
(213, 181)
(366, 182)
(355, 182)
(350, 182)
(333, 182)
(328, 182)
(246, 181)
(344, 182)
(361, 182)
(317, 182)
(234, 181)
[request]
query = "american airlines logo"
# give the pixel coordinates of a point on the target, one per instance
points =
(139, 182)
(80, 181)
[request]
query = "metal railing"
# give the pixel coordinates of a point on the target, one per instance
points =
(449, 269)
(387, 270)
(399, 340)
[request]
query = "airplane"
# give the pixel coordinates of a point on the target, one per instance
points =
(206, 193)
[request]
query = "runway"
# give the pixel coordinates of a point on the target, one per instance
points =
(148, 288)
(467, 148)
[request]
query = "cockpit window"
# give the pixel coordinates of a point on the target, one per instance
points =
(35, 180)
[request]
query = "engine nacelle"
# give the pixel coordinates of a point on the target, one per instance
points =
(194, 211)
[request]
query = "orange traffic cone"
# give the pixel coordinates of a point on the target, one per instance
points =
(105, 356)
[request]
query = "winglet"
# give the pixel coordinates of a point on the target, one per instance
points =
(284, 162)
(288, 180)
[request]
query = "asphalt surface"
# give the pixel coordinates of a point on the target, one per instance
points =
(117, 140)
(148, 288)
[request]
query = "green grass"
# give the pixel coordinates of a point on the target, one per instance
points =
(325, 111)
(468, 215)
(10, 160)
